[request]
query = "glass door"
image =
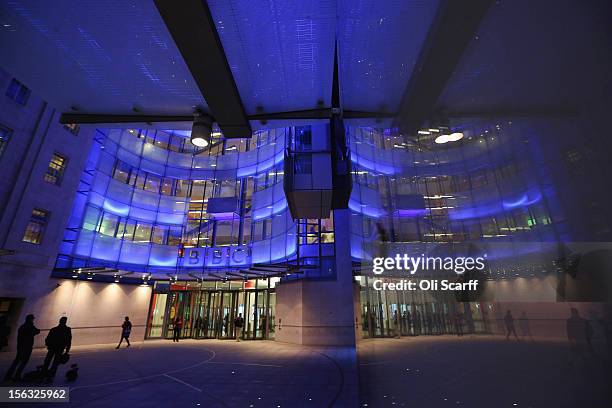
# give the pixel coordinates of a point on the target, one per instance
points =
(228, 313)
(157, 315)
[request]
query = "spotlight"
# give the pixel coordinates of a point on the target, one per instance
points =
(201, 130)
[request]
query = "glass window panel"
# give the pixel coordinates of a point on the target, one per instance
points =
(36, 226)
(142, 232)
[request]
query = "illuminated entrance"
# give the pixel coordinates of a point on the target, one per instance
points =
(208, 309)
(387, 313)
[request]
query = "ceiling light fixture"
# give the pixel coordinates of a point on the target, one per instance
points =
(452, 137)
(201, 129)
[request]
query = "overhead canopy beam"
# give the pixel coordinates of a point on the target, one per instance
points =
(69, 118)
(454, 27)
(191, 25)
(323, 113)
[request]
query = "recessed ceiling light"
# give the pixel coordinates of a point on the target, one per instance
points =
(453, 137)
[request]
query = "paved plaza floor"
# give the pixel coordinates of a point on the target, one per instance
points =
(426, 371)
(480, 371)
(208, 373)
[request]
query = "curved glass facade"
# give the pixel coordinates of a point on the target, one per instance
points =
(150, 203)
(485, 187)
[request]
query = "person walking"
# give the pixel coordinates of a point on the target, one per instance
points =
(126, 329)
(396, 326)
(25, 343)
(58, 342)
(459, 323)
(577, 334)
(177, 327)
(5, 331)
(238, 324)
(509, 321)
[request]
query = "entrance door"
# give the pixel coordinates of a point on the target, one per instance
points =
(227, 314)
(256, 319)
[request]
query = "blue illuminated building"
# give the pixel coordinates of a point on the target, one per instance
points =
(260, 165)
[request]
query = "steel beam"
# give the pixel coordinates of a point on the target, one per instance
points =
(192, 27)
(454, 27)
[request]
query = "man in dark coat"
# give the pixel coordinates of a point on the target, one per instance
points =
(25, 343)
(58, 341)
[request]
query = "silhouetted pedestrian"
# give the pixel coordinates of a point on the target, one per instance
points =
(396, 325)
(197, 327)
(177, 326)
(58, 342)
(263, 325)
(239, 324)
(407, 322)
(5, 331)
(25, 343)
(459, 323)
(126, 329)
(509, 321)
(577, 329)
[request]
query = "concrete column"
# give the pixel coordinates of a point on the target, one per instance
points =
(320, 312)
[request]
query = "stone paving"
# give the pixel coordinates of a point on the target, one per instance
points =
(427, 371)
(480, 371)
(208, 373)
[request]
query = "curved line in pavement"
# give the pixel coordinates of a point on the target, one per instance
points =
(341, 387)
(146, 377)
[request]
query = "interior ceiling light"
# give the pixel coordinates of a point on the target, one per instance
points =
(452, 137)
(201, 130)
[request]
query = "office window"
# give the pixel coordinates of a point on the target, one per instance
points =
(122, 171)
(36, 227)
(142, 233)
(18, 92)
(160, 234)
(5, 136)
(175, 235)
(153, 182)
(108, 225)
(56, 168)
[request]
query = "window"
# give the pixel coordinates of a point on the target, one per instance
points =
(142, 233)
(18, 92)
(56, 168)
(166, 186)
(36, 227)
(122, 171)
(160, 234)
(303, 164)
(175, 235)
(5, 136)
(153, 182)
(303, 138)
(108, 225)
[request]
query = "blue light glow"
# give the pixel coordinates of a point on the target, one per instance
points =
(116, 208)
